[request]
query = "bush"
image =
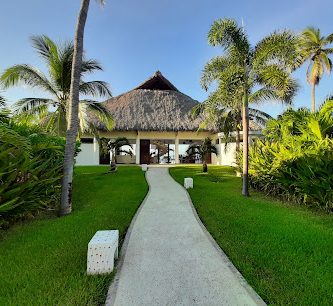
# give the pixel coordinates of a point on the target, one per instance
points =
(295, 160)
(30, 171)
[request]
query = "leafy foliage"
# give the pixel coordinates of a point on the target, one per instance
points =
(52, 111)
(312, 48)
(203, 151)
(295, 160)
(30, 170)
(249, 74)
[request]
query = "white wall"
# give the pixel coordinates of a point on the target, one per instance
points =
(225, 158)
(89, 155)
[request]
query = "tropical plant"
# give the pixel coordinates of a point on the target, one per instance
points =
(203, 151)
(242, 68)
(295, 159)
(72, 130)
(2, 101)
(53, 112)
(227, 120)
(116, 147)
(30, 171)
(4, 111)
(311, 47)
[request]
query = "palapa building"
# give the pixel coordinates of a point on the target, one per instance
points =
(156, 118)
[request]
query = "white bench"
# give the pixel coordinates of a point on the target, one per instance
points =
(144, 167)
(102, 251)
(188, 182)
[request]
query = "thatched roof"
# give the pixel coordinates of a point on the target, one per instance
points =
(155, 105)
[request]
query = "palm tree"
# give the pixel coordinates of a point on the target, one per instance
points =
(242, 68)
(226, 119)
(115, 147)
(72, 130)
(203, 151)
(59, 59)
(311, 48)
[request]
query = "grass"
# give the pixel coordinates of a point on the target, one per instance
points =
(284, 251)
(44, 262)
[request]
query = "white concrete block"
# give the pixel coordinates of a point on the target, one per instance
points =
(188, 182)
(102, 251)
(144, 167)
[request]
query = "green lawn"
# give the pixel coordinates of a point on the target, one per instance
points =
(44, 262)
(284, 251)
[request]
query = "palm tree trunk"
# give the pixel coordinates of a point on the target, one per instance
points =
(313, 97)
(66, 191)
(237, 139)
(245, 119)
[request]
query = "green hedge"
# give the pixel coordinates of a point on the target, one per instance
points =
(30, 171)
(295, 159)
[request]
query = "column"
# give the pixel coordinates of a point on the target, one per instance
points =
(177, 150)
(96, 151)
(137, 149)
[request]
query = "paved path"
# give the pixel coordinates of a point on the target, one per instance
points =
(171, 260)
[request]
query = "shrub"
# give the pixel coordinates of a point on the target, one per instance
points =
(30, 171)
(295, 160)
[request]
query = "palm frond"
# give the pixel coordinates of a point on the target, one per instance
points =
(212, 70)
(44, 46)
(275, 78)
(227, 34)
(27, 75)
(92, 109)
(95, 88)
(278, 47)
(32, 105)
(90, 65)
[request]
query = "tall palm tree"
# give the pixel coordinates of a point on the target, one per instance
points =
(311, 47)
(54, 111)
(203, 151)
(66, 190)
(242, 68)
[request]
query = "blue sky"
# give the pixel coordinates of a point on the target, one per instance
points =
(132, 39)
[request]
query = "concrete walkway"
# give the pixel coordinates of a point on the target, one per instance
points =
(170, 259)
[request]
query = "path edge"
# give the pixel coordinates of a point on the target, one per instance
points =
(110, 297)
(256, 297)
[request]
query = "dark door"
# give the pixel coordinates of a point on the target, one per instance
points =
(144, 151)
(104, 157)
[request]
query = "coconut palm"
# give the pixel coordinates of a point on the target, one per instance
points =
(311, 48)
(226, 119)
(53, 111)
(66, 190)
(115, 146)
(203, 151)
(242, 68)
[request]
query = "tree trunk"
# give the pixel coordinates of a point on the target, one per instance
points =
(237, 139)
(245, 119)
(66, 191)
(313, 97)
(204, 166)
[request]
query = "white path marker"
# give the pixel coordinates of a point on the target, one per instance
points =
(102, 251)
(188, 182)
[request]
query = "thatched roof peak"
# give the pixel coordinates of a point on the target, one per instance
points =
(153, 110)
(157, 82)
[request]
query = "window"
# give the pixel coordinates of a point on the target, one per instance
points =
(87, 140)
(217, 141)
